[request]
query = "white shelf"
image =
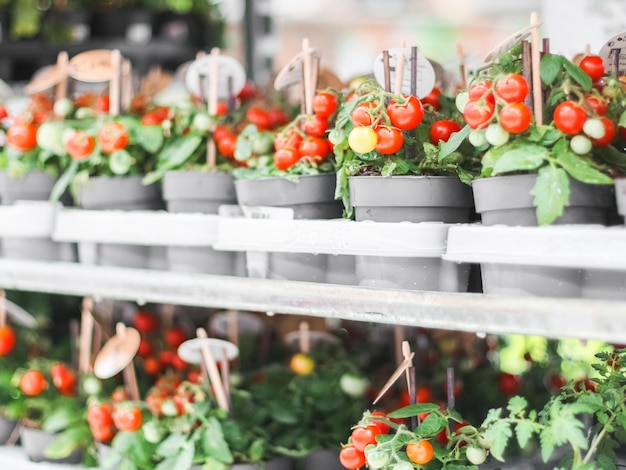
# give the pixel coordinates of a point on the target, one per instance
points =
(579, 318)
(14, 458)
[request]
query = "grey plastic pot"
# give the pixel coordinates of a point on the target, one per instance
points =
(620, 196)
(121, 193)
(310, 197)
(7, 426)
(328, 459)
(33, 186)
(35, 442)
(201, 192)
(281, 463)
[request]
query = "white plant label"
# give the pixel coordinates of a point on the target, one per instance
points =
(425, 77)
(229, 70)
(291, 74)
(508, 44)
(613, 53)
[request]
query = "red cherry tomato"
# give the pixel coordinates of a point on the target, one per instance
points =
(509, 384)
(103, 103)
(406, 116)
(278, 117)
(382, 427)
(220, 132)
(420, 452)
(226, 145)
(390, 140)
(32, 383)
(482, 91)
(432, 99)
(100, 415)
(513, 88)
(7, 340)
(22, 136)
(515, 118)
(315, 126)
(325, 104)
(351, 458)
(315, 148)
(175, 336)
(285, 158)
(152, 118)
(79, 144)
(593, 65)
(146, 348)
(151, 365)
(442, 130)
(478, 114)
(609, 133)
(599, 105)
(362, 436)
(113, 136)
(287, 139)
(361, 115)
(127, 418)
(146, 322)
(3, 112)
(569, 117)
(259, 118)
(63, 378)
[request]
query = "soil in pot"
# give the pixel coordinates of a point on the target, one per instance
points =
(413, 199)
(310, 197)
(35, 442)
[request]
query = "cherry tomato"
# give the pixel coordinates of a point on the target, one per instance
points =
(599, 105)
(569, 117)
(194, 376)
(248, 91)
(146, 348)
(362, 436)
(302, 364)
(315, 148)
(361, 115)
(226, 145)
(382, 427)
(151, 365)
(119, 395)
(509, 384)
(362, 139)
(442, 130)
(103, 103)
(593, 65)
(79, 144)
(175, 336)
(127, 418)
(478, 114)
(482, 91)
(22, 136)
(287, 139)
(609, 133)
(100, 415)
(63, 378)
(220, 132)
(377, 457)
(286, 157)
(278, 117)
(406, 116)
(325, 104)
(102, 433)
(432, 99)
(315, 126)
(476, 455)
(3, 112)
(513, 88)
(420, 452)
(33, 382)
(351, 458)
(7, 340)
(146, 322)
(221, 109)
(515, 117)
(152, 118)
(113, 136)
(259, 118)
(178, 362)
(390, 140)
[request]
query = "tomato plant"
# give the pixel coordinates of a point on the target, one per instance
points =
(7, 340)
(569, 117)
(513, 88)
(420, 452)
(442, 130)
(509, 384)
(362, 436)
(382, 426)
(325, 104)
(22, 136)
(593, 65)
(406, 115)
(286, 157)
(33, 382)
(351, 458)
(288, 138)
(79, 144)
(127, 418)
(390, 140)
(314, 147)
(362, 139)
(113, 136)
(515, 118)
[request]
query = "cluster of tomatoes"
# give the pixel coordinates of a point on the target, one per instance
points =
(306, 137)
(107, 418)
(362, 440)
(379, 127)
(34, 382)
(157, 349)
(170, 396)
(496, 110)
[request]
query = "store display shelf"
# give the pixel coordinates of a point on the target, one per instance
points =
(15, 458)
(550, 317)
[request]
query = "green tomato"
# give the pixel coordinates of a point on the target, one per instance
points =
(50, 137)
(402, 466)
(461, 100)
(362, 139)
(353, 385)
(120, 162)
(496, 136)
(92, 385)
(201, 122)
(152, 432)
(483, 440)
(594, 128)
(263, 143)
(580, 145)
(168, 408)
(376, 456)
(63, 107)
(85, 113)
(476, 455)
(477, 138)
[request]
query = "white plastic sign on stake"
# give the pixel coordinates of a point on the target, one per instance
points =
(54, 75)
(93, 66)
(425, 71)
(613, 53)
(229, 69)
(509, 43)
(291, 74)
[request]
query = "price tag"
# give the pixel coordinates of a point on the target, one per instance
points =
(291, 74)
(198, 72)
(47, 78)
(613, 52)
(262, 212)
(425, 71)
(92, 66)
(230, 211)
(508, 43)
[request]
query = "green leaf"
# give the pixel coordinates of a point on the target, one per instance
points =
(523, 431)
(64, 181)
(67, 442)
(493, 415)
(257, 450)
(547, 443)
(171, 445)
(127, 464)
(551, 194)
(388, 168)
(182, 459)
(123, 441)
(454, 142)
(517, 406)
(526, 157)
(150, 138)
(580, 169)
(213, 442)
(622, 120)
(59, 420)
(550, 67)
(578, 74)
(498, 434)
(178, 151)
(432, 424)
(414, 410)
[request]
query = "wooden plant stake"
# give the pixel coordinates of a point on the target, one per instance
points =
(413, 70)
(399, 335)
(536, 73)
(130, 377)
(307, 67)
(399, 73)
(526, 72)
(394, 377)
(212, 103)
(225, 375)
(115, 85)
(60, 91)
(387, 71)
(127, 84)
(305, 337)
(214, 375)
(545, 43)
(86, 336)
(450, 388)
(410, 378)
(233, 327)
(462, 69)
(3, 308)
